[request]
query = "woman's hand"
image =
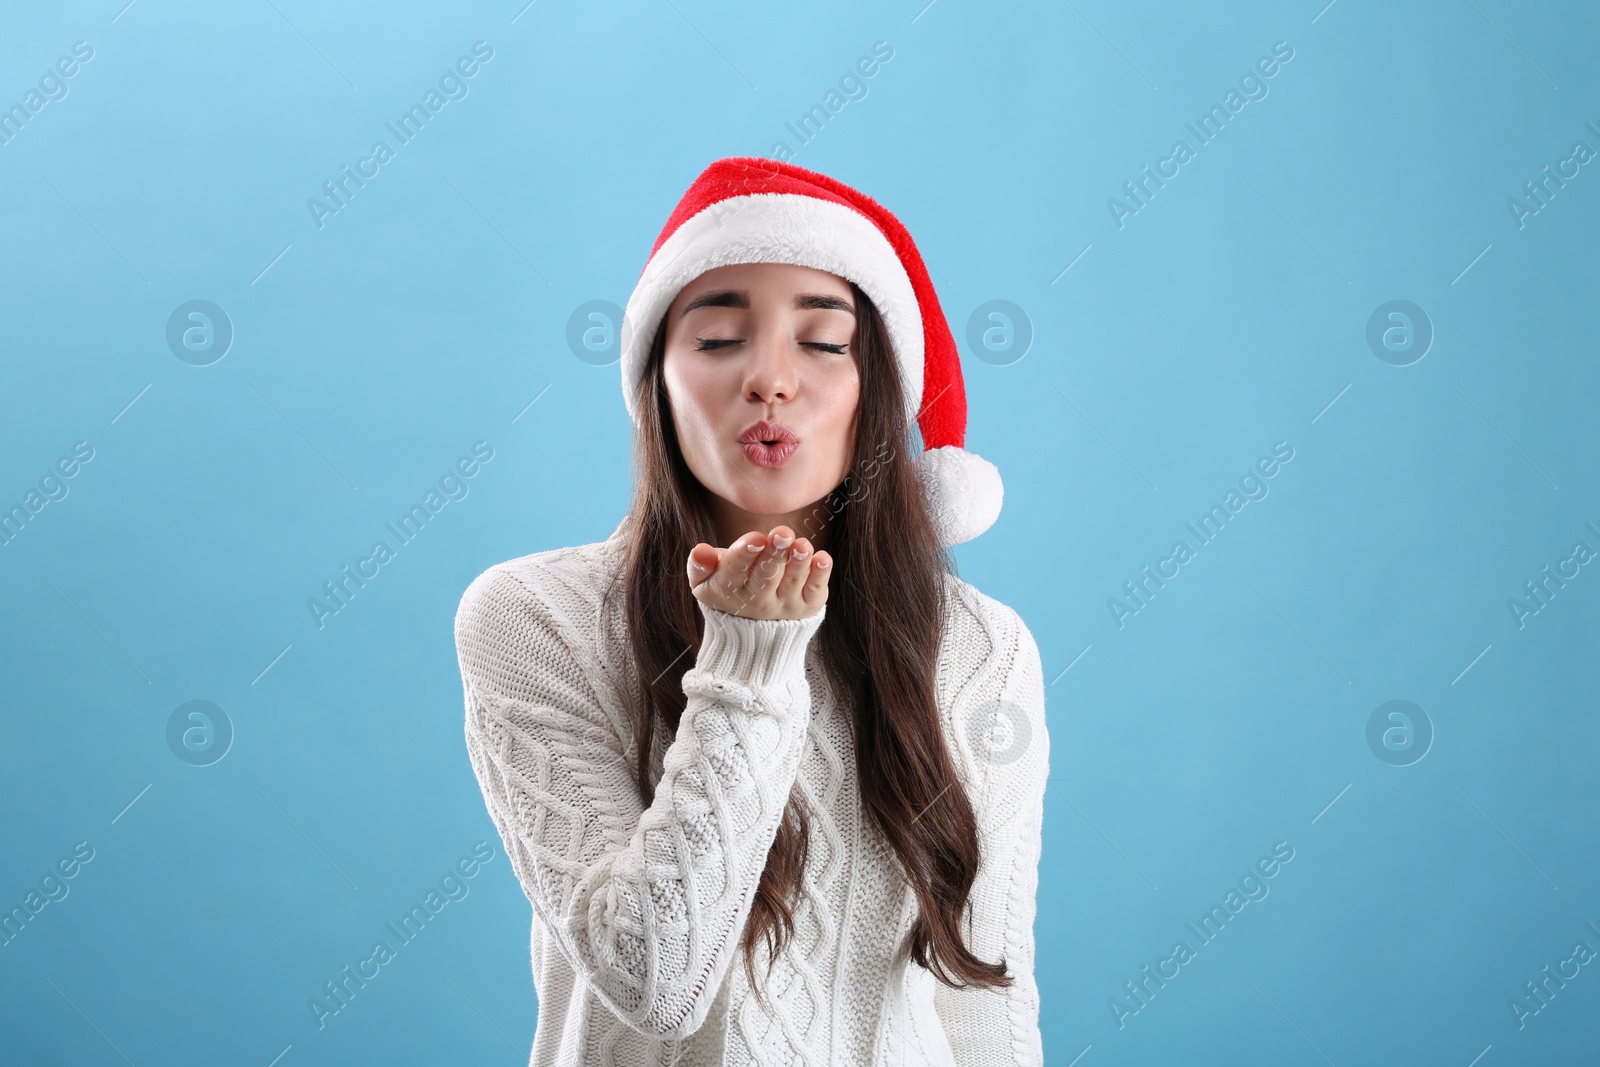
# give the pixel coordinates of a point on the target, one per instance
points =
(761, 576)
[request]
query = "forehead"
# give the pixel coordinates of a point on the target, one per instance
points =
(779, 280)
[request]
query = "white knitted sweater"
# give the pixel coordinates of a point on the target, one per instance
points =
(638, 911)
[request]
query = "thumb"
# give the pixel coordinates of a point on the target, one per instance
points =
(699, 571)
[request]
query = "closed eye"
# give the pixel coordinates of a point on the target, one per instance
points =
(708, 344)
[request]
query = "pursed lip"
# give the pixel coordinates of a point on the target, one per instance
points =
(764, 432)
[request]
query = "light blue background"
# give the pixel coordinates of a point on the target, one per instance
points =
(1228, 314)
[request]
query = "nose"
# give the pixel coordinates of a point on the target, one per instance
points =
(771, 375)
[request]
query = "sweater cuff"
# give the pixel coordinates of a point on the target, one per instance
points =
(754, 652)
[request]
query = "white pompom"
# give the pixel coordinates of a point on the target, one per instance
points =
(963, 491)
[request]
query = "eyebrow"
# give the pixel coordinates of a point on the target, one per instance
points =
(733, 298)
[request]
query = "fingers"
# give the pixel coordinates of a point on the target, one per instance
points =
(763, 575)
(768, 569)
(796, 571)
(702, 563)
(740, 558)
(739, 574)
(815, 591)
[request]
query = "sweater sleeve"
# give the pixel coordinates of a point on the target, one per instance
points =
(1011, 762)
(645, 903)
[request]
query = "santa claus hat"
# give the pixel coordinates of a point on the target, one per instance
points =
(754, 210)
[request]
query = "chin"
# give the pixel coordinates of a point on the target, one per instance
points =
(774, 501)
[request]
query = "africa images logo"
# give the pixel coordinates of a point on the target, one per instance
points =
(1206, 128)
(452, 86)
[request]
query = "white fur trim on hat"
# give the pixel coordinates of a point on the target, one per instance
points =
(778, 228)
(963, 491)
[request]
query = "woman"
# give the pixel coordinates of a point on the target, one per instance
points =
(770, 774)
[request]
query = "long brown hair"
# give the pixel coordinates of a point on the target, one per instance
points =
(879, 644)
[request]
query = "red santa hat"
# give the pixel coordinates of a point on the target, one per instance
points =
(755, 210)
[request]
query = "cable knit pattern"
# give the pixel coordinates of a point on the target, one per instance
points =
(638, 911)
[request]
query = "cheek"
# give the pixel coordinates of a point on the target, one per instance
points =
(841, 395)
(699, 404)
(845, 395)
(689, 388)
